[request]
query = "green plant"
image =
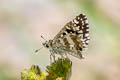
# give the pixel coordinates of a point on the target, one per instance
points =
(58, 70)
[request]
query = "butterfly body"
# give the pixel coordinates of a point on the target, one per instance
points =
(72, 39)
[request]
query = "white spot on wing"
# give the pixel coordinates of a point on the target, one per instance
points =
(84, 49)
(87, 41)
(61, 35)
(67, 27)
(87, 25)
(86, 35)
(81, 39)
(87, 29)
(71, 46)
(85, 17)
(82, 22)
(77, 28)
(86, 21)
(76, 21)
(66, 32)
(80, 31)
(75, 24)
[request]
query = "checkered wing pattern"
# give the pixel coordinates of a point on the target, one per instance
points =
(73, 38)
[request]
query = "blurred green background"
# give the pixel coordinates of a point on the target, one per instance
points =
(22, 22)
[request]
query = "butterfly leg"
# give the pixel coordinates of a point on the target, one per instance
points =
(66, 55)
(50, 58)
(52, 55)
(62, 56)
(80, 55)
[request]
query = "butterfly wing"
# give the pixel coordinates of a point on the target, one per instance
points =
(74, 36)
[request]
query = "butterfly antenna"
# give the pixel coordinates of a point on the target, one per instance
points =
(41, 47)
(38, 50)
(43, 38)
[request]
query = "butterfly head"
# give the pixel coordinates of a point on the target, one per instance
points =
(47, 44)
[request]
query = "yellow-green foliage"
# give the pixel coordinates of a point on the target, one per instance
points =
(33, 73)
(58, 70)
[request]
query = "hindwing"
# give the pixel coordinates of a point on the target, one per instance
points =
(74, 36)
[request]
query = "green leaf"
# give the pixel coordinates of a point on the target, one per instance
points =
(60, 68)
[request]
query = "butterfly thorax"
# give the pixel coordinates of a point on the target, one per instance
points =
(54, 47)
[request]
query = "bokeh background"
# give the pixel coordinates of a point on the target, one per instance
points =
(22, 22)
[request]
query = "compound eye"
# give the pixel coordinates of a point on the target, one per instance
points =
(47, 46)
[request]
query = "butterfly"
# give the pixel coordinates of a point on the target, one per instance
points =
(72, 39)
